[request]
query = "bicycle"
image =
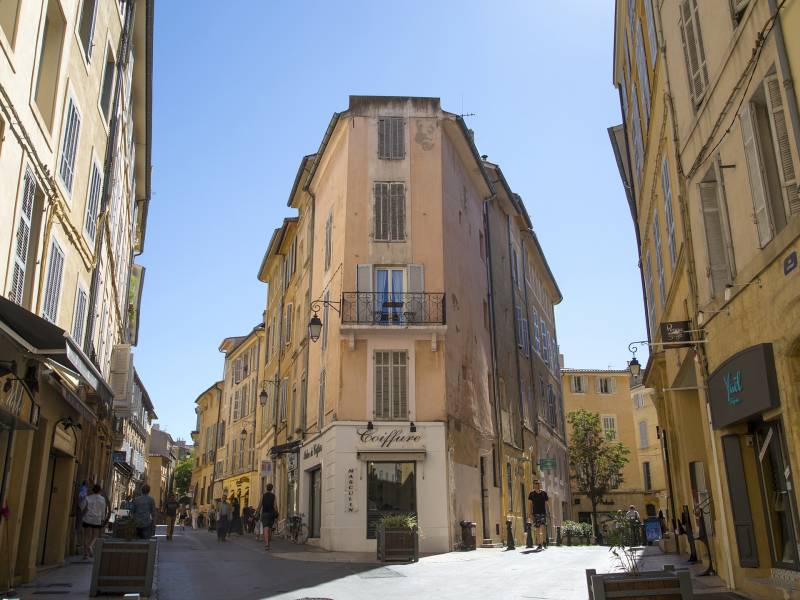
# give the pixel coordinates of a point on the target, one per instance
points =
(293, 528)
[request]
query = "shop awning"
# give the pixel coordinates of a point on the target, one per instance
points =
(285, 448)
(393, 455)
(70, 381)
(42, 339)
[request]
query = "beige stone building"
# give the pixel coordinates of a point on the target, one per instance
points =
(75, 98)
(208, 435)
(627, 416)
(161, 460)
(724, 370)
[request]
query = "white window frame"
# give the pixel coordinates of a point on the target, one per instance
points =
(609, 423)
(55, 276)
(583, 384)
(68, 157)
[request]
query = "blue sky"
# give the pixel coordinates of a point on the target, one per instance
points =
(242, 90)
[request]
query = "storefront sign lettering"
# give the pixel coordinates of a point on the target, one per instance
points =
(350, 491)
(312, 451)
(733, 383)
(388, 439)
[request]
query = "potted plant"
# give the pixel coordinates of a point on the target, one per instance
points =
(570, 530)
(398, 538)
(629, 578)
(585, 532)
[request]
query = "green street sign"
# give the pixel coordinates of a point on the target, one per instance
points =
(547, 464)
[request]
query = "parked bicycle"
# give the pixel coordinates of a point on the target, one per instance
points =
(293, 528)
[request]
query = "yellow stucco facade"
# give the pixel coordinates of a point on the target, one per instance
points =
(206, 436)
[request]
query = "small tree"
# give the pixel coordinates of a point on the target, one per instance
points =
(183, 476)
(596, 459)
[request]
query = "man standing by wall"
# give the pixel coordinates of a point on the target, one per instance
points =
(538, 499)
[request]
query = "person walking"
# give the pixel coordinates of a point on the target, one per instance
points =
(194, 512)
(94, 519)
(236, 517)
(171, 511)
(144, 514)
(268, 509)
(223, 515)
(635, 522)
(538, 500)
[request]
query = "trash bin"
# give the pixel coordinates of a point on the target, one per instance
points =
(468, 535)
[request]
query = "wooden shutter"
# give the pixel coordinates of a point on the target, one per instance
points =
(644, 76)
(69, 146)
(718, 269)
(399, 385)
(328, 241)
(755, 170)
(666, 190)
(783, 151)
(52, 291)
(416, 281)
(398, 138)
(382, 385)
(22, 245)
(693, 51)
(740, 502)
(93, 203)
(382, 211)
(651, 31)
(79, 316)
(397, 224)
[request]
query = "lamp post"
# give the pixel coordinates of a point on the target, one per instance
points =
(633, 365)
(315, 324)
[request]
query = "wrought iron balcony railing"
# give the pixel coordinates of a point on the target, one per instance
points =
(382, 308)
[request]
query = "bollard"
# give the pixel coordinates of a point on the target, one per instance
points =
(558, 535)
(509, 536)
(529, 537)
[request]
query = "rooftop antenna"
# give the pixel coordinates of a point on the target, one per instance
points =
(462, 114)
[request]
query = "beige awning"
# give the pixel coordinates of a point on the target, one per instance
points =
(394, 455)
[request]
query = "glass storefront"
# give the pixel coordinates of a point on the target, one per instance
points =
(315, 503)
(391, 490)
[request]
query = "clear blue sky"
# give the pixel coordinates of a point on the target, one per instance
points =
(242, 90)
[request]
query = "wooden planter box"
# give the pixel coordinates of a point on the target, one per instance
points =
(123, 567)
(647, 585)
(398, 545)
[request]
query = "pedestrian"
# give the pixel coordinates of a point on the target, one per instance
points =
(268, 509)
(194, 517)
(538, 500)
(223, 514)
(212, 518)
(144, 514)
(236, 517)
(662, 522)
(635, 522)
(94, 519)
(171, 511)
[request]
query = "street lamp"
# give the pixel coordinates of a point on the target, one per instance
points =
(634, 367)
(315, 324)
(243, 435)
(263, 396)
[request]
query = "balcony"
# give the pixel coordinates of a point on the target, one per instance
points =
(393, 309)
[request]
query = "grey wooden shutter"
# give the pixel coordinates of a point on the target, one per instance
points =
(381, 212)
(382, 384)
(666, 190)
(79, 317)
(693, 50)
(718, 269)
(398, 139)
(740, 502)
(416, 282)
(69, 146)
(52, 292)
(22, 245)
(783, 151)
(382, 137)
(755, 170)
(397, 212)
(93, 203)
(399, 385)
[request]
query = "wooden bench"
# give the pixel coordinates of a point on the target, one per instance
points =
(647, 585)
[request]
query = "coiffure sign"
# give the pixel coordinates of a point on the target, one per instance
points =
(743, 386)
(387, 439)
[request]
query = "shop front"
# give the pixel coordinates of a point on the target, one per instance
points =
(745, 405)
(355, 473)
(238, 487)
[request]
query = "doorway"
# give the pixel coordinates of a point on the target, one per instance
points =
(315, 503)
(389, 283)
(776, 488)
(484, 499)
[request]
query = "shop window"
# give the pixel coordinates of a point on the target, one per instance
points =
(391, 490)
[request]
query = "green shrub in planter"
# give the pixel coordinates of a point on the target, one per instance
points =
(402, 521)
(398, 538)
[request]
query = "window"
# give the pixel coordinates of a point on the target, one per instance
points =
(69, 145)
(25, 231)
(636, 132)
(720, 264)
(52, 293)
(643, 441)
(390, 212)
(646, 477)
(578, 384)
(327, 299)
(321, 402)
(282, 401)
(666, 189)
(391, 385)
(662, 287)
(641, 67)
(693, 51)
(609, 426)
(738, 8)
(606, 385)
(391, 490)
(49, 61)
(391, 138)
(93, 203)
(9, 10)
(287, 329)
(651, 31)
(551, 407)
(770, 165)
(79, 316)
(638, 400)
(328, 241)
(237, 370)
(648, 288)
(536, 332)
(510, 485)
(86, 26)
(237, 406)
(107, 87)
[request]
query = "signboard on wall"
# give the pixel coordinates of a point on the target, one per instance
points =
(676, 333)
(743, 386)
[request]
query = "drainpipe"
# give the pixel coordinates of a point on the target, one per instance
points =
(695, 299)
(493, 343)
(108, 167)
(516, 328)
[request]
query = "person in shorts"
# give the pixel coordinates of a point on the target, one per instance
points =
(171, 511)
(93, 520)
(538, 499)
(268, 507)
